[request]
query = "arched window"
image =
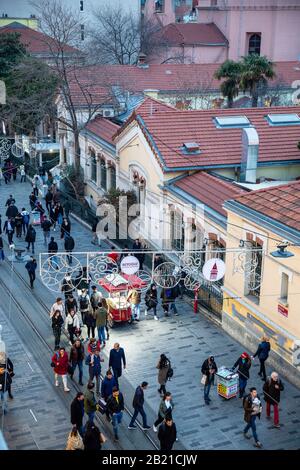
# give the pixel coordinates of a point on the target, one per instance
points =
(93, 167)
(113, 177)
(254, 44)
(103, 174)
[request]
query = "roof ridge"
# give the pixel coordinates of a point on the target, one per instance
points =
(270, 189)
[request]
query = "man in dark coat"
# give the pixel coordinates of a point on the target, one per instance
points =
(272, 388)
(12, 211)
(208, 369)
(69, 247)
(115, 406)
(243, 364)
(30, 237)
(9, 228)
(77, 412)
(138, 405)
(46, 226)
(167, 434)
(31, 268)
(116, 357)
(252, 410)
(263, 354)
(107, 386)
(10, 200)
(48, 199)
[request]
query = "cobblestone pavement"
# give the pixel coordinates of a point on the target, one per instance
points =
(187, 339)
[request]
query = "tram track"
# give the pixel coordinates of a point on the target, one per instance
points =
(46, 345)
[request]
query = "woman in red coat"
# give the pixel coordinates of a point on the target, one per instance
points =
(60, 363)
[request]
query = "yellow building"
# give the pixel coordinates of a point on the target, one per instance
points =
(262, 291)
(31, 22)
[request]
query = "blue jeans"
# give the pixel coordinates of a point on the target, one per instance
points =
(79, 364)
(173, 307)
(101, 333)
(135, 311)
(143, 414)
(91, 416)
(1, 254)
(207, 389)
(116, 420)
(242, 385)
(252, 425)
(3, 396)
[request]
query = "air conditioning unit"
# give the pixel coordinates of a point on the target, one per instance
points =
(108, 113)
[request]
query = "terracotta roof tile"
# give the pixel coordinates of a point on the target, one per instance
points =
(176, 34)
(209, 189)
(287, 207)
(103, 128)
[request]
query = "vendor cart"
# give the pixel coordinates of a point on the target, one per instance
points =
(118, 287)
(227, 382)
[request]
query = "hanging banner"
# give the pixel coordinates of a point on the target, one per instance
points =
(130, 265)
(214, 269)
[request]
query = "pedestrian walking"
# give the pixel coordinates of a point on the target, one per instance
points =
(262, 352)
(92, 438)
(272, 389)
(72, 325)
(11, 211)
(90, 322)
(5, 381)
(25, 219)
(108, 383)
(59, 211)
(82, 281)
(116, 357)
(101, 318)
(67, 286)
(31, 268)
(93, 346)
(208, 369)
(243, 365)
(167, 434)
(57, 324)
(163, 367)
(65, 229)
(32, 200)
(9, 229)
(30, 237)
(53, 216)
(115, 406)
(35, 185)
(69, 247)
(2, 257)
(22, 173)
(60, 364)
(138, 406)
(151, 301)
(74, 441)
(165, 408)
(67, 207)
(48, 199)
(46, 226)
(134, 297)
(96, 297)
(18, 225)
(95, 239)
(58, 305)
(84, 304)
(168, 296)
(10, 200)
(9, 367)
(252, 408)
(52, 251)
(77, 412)
(90, 404)
(76, 358)
(71, 304)
(93, 361)
(39, 208)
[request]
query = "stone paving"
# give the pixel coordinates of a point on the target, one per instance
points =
(187, 339)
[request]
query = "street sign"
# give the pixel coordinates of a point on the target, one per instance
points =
(214, 269)
(130, 265)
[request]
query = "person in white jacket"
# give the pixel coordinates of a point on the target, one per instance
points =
(72, 324)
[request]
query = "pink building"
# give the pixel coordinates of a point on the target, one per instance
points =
(266, 27)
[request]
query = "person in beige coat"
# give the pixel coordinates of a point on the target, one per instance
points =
(163, 366)
(74, 441)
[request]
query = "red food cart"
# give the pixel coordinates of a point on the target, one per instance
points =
(118, 287)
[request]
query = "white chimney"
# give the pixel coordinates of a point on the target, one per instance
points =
(250, 143)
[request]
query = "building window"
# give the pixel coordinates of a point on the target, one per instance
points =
(113, 177)
(103, 175)
(177, 231)
(93, 167)
(284, 291)
(82, 32)
(159, 6)
(81, 5)
(254, 44)
(253, 270)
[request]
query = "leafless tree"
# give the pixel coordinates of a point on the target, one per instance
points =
(194, 90)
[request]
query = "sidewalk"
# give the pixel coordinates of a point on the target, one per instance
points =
(188, 340)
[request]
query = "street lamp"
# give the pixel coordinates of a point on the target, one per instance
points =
(280, 252)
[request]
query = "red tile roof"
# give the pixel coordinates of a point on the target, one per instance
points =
(209, 189)
(193, 34)
(161, 77)
(167, 132)
(280, 203)
(103, 128)
(34, 41)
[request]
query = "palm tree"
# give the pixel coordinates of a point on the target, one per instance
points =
(255, 72)
(231, 72)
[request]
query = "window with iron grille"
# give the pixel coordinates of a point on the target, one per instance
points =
(254, 44)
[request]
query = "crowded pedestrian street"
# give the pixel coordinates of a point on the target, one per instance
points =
(38, 416)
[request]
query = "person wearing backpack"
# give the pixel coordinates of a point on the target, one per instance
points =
(163, 367)
(262, 352)
(165, 408)
(208, 369)
(252, 408)
(69, 247)
(25, 219)
(272, 388)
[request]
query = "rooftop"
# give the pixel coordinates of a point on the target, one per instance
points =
(193, 34)
(103, 128)
(281, 204)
